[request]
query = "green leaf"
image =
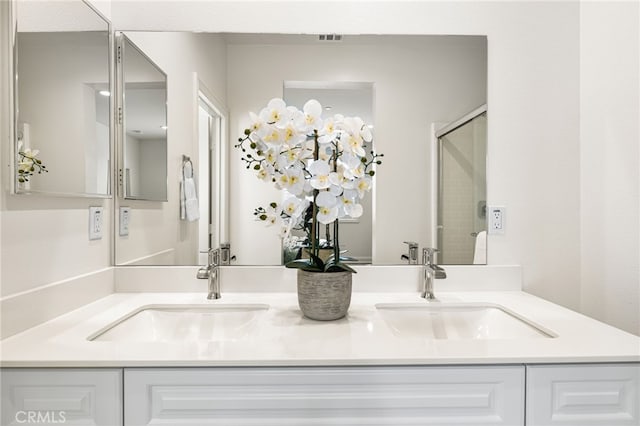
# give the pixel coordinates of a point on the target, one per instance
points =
(304, 264)
(339, 267)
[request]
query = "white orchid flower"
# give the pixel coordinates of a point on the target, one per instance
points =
(312, 115)
(327, 215)
(271, 156)
(30, 153)
(291, 136)
(352, 166)
(275, 113)
(273, 136)
(326, 199)
(292, 180)
(353, 142)
(329, 132)
(363, 185)
(256, 123)
(337, 178)
(320, 174)
(294, 206)
(263, 174)
(351, 207)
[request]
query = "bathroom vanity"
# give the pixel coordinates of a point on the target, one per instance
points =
(496, 357)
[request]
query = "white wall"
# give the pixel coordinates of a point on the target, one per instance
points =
(417, 81)
(609, 165)
(155, 228)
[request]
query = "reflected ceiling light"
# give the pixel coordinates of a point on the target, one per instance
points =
(105, 93)
(163, 127)
(370, 126)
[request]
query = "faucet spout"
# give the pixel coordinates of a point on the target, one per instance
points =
(211, 273)
(431, 272)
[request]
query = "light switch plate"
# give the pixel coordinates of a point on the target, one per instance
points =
(95, 223)
(125, 218)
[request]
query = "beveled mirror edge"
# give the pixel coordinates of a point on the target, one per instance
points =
(120, 38)
(13, 99)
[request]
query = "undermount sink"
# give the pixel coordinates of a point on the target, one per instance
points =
(181, 323)
(457, 321)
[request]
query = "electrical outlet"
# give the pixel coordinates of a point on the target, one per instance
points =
(125, 217)
(95, 223)
(496, 219)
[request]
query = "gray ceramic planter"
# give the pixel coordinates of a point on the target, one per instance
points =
(324, 296)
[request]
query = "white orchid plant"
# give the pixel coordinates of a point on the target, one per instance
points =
(320, 163)
(28, 164)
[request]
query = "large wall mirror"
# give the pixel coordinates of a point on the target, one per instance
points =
(142, 118)
(62, 99)
(408, 87)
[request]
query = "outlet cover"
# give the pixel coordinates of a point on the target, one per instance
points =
(125, 218)
(95, 223)
(496, 218)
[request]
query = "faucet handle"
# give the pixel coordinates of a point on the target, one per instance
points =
(428, 255)
(214, 257)
(412, 256)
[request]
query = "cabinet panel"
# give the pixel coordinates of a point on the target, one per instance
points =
(583, 395)
(62, 396)
(325, 396)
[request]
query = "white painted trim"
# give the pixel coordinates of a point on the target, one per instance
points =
(148, 259)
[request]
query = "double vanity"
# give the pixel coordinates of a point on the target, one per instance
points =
(480, 353)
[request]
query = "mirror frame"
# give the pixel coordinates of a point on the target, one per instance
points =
(120, 39)
(13, 97)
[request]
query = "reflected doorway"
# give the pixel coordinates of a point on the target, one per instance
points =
(210, 135)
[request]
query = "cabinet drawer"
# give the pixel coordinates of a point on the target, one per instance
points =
(61, 396)
(583, 395)
(325, 396)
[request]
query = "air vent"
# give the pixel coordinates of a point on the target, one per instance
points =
(330, 37)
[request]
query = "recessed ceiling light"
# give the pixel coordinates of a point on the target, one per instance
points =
(105, 93)
(328, 108)
(136, 131)
(370, 126)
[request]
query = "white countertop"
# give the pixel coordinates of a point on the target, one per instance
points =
(286, 338)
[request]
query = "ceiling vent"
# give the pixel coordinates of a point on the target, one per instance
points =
(330, 37)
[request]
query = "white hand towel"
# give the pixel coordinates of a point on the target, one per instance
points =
(191, 200)
(189, 209)
(480, 252)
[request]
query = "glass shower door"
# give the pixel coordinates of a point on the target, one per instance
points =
(462, 192)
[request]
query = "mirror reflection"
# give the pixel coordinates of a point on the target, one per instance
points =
(462, 190)
(144, 115)
(416, 86)
(63, 94)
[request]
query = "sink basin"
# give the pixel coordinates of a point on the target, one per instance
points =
(455, 321)
(181, 323)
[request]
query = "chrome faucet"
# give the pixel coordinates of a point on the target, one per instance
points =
(431, 272)
(211, 272)
(412, 256)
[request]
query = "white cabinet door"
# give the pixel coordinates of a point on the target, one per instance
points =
(61, 396)
(325, 396)
(583, 395)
